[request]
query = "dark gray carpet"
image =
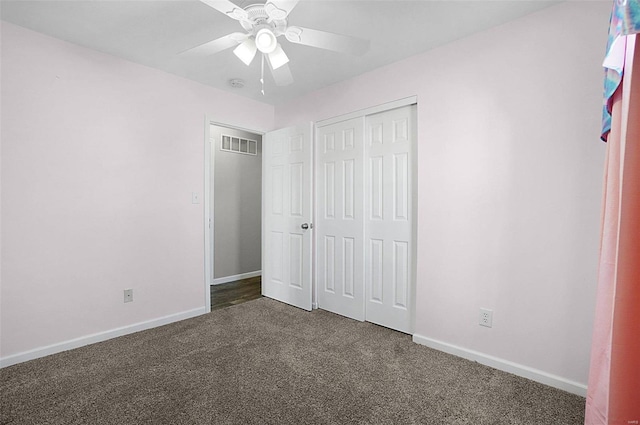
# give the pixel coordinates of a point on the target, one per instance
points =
(263, 362)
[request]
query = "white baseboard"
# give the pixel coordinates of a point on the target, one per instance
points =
(504, 365)
(97, 337)
(220, 280)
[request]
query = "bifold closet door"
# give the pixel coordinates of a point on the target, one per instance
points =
(340, 219)
(388, 218)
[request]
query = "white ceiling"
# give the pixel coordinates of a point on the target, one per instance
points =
(152, 33)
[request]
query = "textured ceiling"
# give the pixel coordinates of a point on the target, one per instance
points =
(152, 33)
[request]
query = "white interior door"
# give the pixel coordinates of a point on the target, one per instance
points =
(286, 211)
(388, 218)
(340, 220)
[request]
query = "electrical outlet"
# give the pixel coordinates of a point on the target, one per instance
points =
(128, 295)
(486, 317)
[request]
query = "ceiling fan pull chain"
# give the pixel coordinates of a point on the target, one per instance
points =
(262, 74)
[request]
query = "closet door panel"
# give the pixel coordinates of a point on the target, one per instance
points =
(340, 221)
(388, 219)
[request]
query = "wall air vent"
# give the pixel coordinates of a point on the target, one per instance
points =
(239, 145)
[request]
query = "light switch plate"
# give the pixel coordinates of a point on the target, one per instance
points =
(195, 197)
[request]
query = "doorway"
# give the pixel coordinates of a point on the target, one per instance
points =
(235, 197)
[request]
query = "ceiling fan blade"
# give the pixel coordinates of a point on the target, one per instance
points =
(279, 9)
(327, 40)
(217, 45)
(228, 8)
(282, 75)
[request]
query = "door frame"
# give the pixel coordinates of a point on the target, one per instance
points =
(208, 200)
(362, 113)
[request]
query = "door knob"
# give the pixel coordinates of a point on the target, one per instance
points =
(306, 226)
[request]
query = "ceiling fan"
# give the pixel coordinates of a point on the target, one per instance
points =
(263, 24)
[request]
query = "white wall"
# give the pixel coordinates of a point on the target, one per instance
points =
(509, 185)
(99, 160)
(237, 207)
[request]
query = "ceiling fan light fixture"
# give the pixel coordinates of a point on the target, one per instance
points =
(246, 51)
(266, 40)
(278, 57)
